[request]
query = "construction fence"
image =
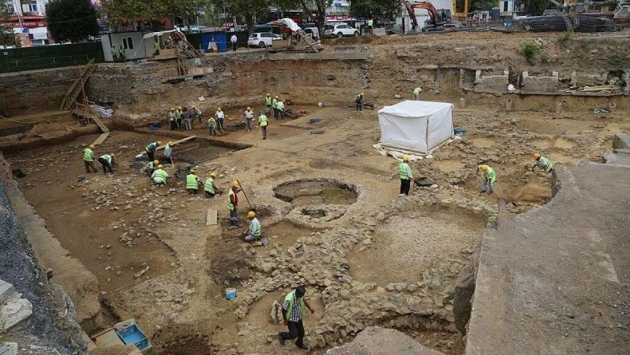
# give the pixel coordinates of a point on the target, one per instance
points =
(44, 57)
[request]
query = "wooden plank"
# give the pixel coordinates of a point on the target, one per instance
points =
(99, 123)
(177, 142)
(211, 217)
(101, 138)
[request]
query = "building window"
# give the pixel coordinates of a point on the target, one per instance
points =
(30, 7)
(127, 43)
(505, 6)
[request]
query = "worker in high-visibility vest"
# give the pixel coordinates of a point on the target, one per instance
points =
(106, 161)
(172, 118)
(274, 106)
(150, 149)
(416, 93)
(192, 182)
(178, 117)
(404, 171)
(156, 45)
(232, 203)
(293, 310)
(212, 126)
(168, 152)
(159, 176)
(151, 167)
(268, 102)
(263, 121)
(358, 100)
(543, 163)
(255, 230)
(209, 188)
(88, 159)
(280, 107)
(197, 113)
(122, 54)
(488, 178)
(114, 51)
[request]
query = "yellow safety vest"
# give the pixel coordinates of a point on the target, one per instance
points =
(262, 119)
(192, 182)
(87, 154)
(208, 185)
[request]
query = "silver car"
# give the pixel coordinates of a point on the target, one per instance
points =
(262, 39)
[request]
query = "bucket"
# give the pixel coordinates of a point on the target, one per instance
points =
(230, 293)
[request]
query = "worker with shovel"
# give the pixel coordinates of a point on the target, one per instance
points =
(488, 179)
(232, 203)
(543, 163)
(88, 159)
(404, 171)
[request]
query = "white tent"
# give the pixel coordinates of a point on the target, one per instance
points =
(417, 126)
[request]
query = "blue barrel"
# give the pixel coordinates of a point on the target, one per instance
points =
(219, 38)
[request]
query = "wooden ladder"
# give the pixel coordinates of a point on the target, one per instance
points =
(309, 41)
(77, 87)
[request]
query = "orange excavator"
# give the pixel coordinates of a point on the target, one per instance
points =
(444, 15)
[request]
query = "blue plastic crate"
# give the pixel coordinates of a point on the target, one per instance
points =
(133, 335)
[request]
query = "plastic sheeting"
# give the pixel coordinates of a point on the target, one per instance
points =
(417, 126)
(287, 22)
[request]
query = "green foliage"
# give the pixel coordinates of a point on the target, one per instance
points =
(381, 11)
(124, 12)
(72, 20)
(529, 51)
(564, 38)
(544, 59)
(584, 46)
(6, 33)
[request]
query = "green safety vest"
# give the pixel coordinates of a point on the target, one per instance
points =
(545, 164)
(151, 147)
(268, 100)
(211, 123)
(113, 51)
(171, 115)
(370, 22)
(160, 175)
(229, 201)
(254, 228)
(402, 171)
(262, 119)
(107, 157)
(490, 175)
(208, 185)
(291, 298)
(274, 103)
(192, 182)
(121, 50)
(87, 154)
(417, 90)
(178, 114)
(156, 44)
(197, 111)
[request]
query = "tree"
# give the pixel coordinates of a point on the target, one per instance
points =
(381, 11)
(244, 10)
(7, 38)
(72, 20)
(121, 12)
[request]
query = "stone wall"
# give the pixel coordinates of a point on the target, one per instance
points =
(542, 83)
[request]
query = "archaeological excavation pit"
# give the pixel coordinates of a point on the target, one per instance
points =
(317, 199)
(409, 243)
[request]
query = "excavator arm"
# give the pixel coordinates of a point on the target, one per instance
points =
(421, 5)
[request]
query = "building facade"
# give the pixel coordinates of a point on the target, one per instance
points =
(28, 21)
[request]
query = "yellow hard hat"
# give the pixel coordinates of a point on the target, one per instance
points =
(192, 171)
(249, 108)
(484, 168)
(170, 143)
(113, 155)
(160, 166)
(268, 94)
(251, 214)
(92, 146)
(156, 162)
(276, 97)
(159, 142)
(405, 158)
(235, 183)
(180, 107)
(362, 94)
(194, 106)
(536, 156)
(172, 108)
(213, 175)
(218, 108)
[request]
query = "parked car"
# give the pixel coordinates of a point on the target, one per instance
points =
(339, 30)
(262, 39)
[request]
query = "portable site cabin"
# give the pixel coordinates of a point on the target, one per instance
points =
(133, 44)
(416, 126)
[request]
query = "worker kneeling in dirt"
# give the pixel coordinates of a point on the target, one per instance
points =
(543, 163)
(255, 230)
(192, 182)
(106, 161)
(159, 175)
(488, 178)
(209, 187)
(150, 167)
